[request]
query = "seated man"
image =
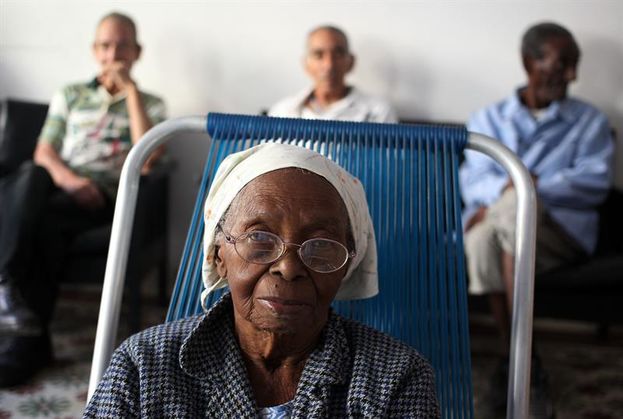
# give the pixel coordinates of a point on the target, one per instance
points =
(566, 144)
(70, 188)
(328, 60)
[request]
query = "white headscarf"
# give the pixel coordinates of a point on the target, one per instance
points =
(361, 280)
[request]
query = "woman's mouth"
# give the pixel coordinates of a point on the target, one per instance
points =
(282, 306)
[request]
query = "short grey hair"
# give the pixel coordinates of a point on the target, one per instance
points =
(534, 38)
(123, 19)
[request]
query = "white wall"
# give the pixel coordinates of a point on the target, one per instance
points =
(436, 60)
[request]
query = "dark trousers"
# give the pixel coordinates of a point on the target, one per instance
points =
(37, 222)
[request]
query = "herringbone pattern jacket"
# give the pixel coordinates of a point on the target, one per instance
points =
(194, 368)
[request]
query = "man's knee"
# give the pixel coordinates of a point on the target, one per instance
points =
(483, 259)
(480, 235)
(32, 179)
(503, 213)
(32, 173)
(25, 191)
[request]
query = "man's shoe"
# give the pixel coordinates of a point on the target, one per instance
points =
(16, 319)
(541, 405)
(21, 357)
(498, 389)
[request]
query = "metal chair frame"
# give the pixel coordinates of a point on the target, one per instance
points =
(521, 326)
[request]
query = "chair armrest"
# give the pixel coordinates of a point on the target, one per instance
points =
(20, 126)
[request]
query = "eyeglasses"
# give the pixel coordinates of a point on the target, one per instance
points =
(319, 255)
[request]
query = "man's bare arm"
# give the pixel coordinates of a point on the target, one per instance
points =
(140, 124)
(118, 75)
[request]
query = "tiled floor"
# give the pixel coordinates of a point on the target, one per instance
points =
(585, 372)
(60, 390)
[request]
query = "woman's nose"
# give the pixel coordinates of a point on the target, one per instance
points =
(289, 266)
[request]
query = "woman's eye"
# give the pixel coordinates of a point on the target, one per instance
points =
(260, 237)
(321, 244)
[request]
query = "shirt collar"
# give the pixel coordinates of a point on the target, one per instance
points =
(563, 109)
(93, 84)
(342, 103)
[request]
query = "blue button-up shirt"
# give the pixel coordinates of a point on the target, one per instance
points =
(569, 148)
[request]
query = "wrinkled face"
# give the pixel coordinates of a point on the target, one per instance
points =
(115, 42)
(285, 296)
(328, 60)
(549, 75)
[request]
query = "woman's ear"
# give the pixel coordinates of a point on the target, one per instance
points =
(221, 267)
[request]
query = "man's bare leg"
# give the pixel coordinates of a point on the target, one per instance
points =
(501, 303)
(508, 274)
(500, 312)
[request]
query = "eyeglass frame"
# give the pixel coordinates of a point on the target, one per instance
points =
(229, 238)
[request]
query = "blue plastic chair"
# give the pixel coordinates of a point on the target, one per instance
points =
(410, 174)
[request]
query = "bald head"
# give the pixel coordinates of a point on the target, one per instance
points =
(333, 30)
(122, 20)
(115, 48)
(328, 60)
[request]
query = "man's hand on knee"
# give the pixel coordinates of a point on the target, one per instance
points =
(85, 192)
(478, 216)
(511, 185)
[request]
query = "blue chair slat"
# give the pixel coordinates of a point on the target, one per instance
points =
(410, 174)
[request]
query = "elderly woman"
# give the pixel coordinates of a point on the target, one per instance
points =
(288, 231)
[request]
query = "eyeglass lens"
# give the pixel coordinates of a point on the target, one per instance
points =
(320, 255)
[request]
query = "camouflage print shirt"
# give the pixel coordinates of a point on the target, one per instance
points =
(90, 129)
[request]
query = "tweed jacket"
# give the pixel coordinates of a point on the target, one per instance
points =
(194, 368)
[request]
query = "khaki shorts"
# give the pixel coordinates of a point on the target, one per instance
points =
(486, 241)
